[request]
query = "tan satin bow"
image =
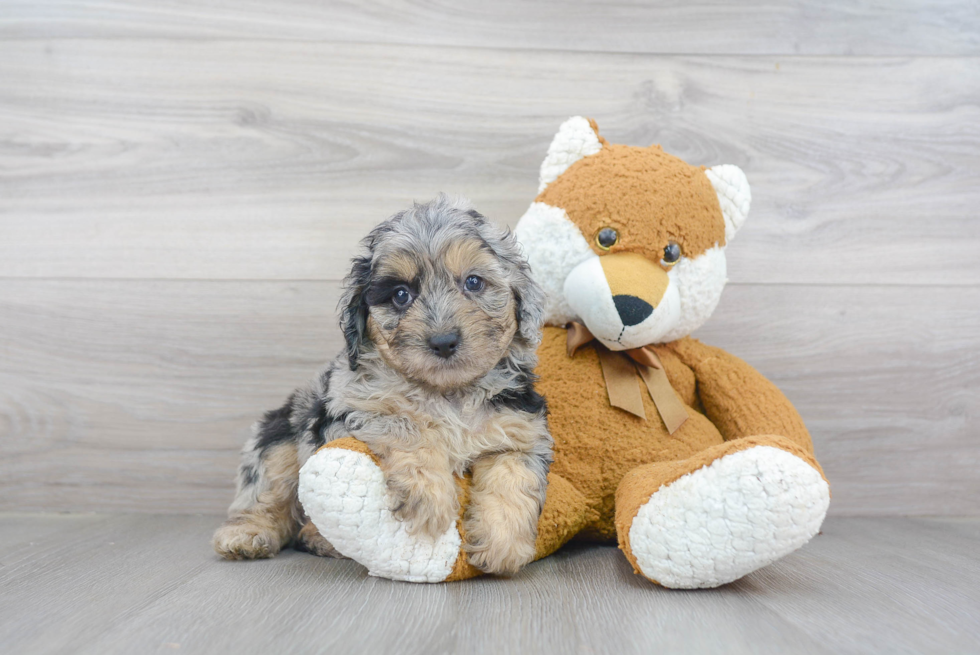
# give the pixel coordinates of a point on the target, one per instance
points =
(620, 369)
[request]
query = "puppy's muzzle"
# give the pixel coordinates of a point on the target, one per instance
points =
(444, 345)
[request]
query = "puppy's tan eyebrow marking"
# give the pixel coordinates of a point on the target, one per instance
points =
(398, 265)
(461, 257)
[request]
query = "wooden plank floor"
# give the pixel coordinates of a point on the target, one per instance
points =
(145, 584)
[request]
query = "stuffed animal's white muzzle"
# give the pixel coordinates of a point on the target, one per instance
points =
(624, 299)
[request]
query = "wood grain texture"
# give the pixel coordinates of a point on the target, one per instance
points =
(268, 160)
(137, 395)
(182, 185)
(142, 393)
(785, 27)
(128, 584)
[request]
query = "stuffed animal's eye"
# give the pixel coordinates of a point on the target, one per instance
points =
(607, 238)
(402, 297)
(672, 252)
(474, 283)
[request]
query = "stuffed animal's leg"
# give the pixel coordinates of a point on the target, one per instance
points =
(738, 399)
(721, 514)
(343, 491)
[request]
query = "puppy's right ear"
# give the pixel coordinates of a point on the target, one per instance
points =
(353, 316)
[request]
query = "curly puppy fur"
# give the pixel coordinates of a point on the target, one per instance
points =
(442, 322)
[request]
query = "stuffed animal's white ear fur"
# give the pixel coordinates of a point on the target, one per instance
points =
(734, 196)
(575, 139)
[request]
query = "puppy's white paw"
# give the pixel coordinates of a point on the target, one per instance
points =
(344, 494)
(727, 519)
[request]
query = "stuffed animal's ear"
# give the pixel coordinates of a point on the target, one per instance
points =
(734, 196)
(577, 137)
(354, 309)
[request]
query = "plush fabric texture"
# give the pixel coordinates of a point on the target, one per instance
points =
(554, 247)
(342, 490)
(743, 510)
(733, 489)
(734, 195)
(621, 442)
(650, 197)
(577, 137)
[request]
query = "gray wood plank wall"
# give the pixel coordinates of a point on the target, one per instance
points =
(181, 186)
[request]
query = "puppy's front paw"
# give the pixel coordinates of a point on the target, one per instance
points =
(238, 539)
(497, 549)
(501, 523)
(427, 503)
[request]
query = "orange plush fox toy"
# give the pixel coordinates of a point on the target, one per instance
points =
(699, 467)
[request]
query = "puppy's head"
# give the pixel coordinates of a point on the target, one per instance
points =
(442, 295)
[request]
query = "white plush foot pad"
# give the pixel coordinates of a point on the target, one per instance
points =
(344, 494)
(723, 521)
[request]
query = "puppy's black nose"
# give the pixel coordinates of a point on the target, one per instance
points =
(444, 345)
(632, 310)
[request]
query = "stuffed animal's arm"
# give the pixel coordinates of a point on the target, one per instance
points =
(738, 399)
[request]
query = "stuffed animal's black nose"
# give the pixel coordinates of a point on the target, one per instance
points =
(632, 310)
(444, 345)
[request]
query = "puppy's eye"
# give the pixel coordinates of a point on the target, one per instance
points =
(607, 238)
(672, 253)
(401, 298)
(474, 283)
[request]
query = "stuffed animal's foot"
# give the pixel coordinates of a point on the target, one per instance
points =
(723, 520)
(343, 491)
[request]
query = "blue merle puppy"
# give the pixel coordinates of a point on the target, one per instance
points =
(442, 321)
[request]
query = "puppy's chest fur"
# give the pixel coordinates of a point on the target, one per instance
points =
(406, 417)
(462, 434)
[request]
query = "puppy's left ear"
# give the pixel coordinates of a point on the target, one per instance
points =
(530, 308)
(530, 302)
(527, 293)
(354, 309)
